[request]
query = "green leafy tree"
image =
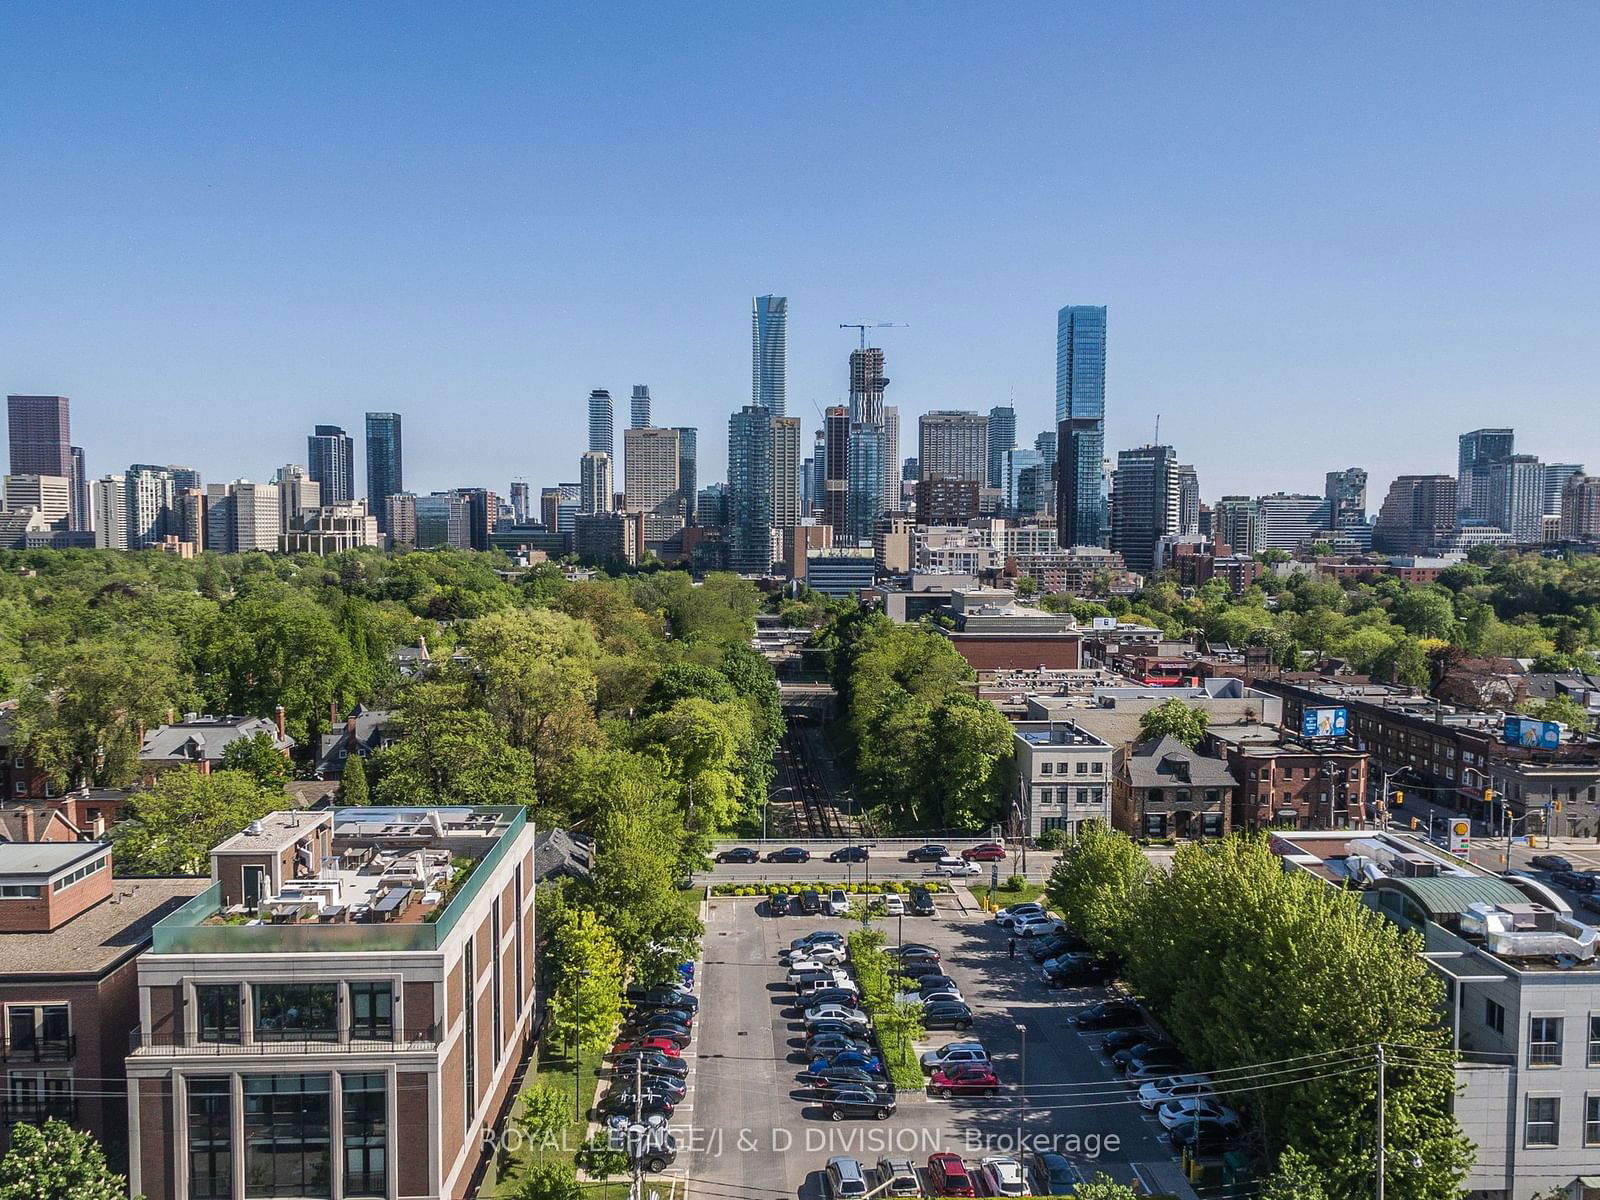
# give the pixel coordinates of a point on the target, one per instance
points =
(636, 873)
(703, 745)
(172, 826)
(973, 744)
(1296, 1178)
(1098, 883)
(1027, 585)
(1176, 719)
(1426, 612)
(544, 1114)
(1562, 708)
(553, 1180)
(449, 753)
(257, 755)
(1103, 1187)
(354, 786)
(56, 1162)
(587, 1000)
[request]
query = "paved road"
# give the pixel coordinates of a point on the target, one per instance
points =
(883, 862)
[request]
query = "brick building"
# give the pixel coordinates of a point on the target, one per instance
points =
(1285, 783)
(1164, 789)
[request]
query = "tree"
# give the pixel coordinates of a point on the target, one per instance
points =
(257, 755)
(57, 1162)
(173, 825)
(587, 1001)
(1027, 585)
(1562, 708)
(637, 868)
(1103, 1187)
(972, 743)
(1296, 1178)
(553, 1180)
(544, 1114)
(449, 753)
(1097, 884)
(1426, 612)
(354, 788)
(1176, 719)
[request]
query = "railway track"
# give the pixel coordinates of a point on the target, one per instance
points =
(812, 806)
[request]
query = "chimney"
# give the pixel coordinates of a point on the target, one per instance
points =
(333, 713)
(28, 832)
(277, 716)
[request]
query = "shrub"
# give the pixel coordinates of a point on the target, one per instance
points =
(1052, 839)
(1013, 883)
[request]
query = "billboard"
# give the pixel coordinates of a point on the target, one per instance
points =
(1460, 835)
(1324, 722)
(1535, 735)
(1102, 623)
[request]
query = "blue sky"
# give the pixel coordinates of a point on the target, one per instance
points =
(1328, 235)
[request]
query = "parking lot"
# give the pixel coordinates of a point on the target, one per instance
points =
(750, 1127)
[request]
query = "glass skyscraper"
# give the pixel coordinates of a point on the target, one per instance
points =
(769, 353)
(865, 503)
(385, 475)
(688, 470)
(331, 461)
(1002, 436)
(1081, 421)
(750, 490)
(602, 423)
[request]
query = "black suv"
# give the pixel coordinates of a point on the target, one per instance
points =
(661, 997)
(843, 1102)
(928, 853)
(778, 904)
(1109, 1014)
(921, 902)
(810, 902)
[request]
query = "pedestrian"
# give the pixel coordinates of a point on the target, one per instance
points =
(1011, 948)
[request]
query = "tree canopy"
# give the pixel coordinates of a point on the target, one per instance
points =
(1174, 718)
(172, 826)
(55, 1162)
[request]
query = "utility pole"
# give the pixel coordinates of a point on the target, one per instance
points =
(1381, 1164)
(636, 1134)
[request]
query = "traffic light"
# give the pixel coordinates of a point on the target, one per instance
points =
(1397, 799)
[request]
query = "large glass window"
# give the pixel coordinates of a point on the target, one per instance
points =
(210, 1139)
(286, 1150)
(372, 1011)
(1544, 1121)
(366, 1134)
(1544, 1042)
(1591, 1120)
(219, 1012)
(295, 1012)
(38, 1031)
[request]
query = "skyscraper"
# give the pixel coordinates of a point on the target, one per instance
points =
(1346, 494)
(41, 435)
(1014, 460)
(148, 505)
(639, 415)
(892, 501)
(1002, 436)
(1287, 521)
(1145, 506)
(602, 423)
(750, 490)
(785, 472)
(82, 508)
(688, 471)
(867, 383)
(109, 498)
(1081, 422)
(1514, 496)
(865, 495)
(1233, 522)
(331, 461)
(385, 469)
(595, 494)
(1188, 501)
(1417, 512)
(297, 491)
(819, 470)
(650, 471)
(1476, 452)
(769, 353)
(1555, 481)
(836, 472)
(955, 444)
(521, 501)
(1580, 508)
(1045, 444)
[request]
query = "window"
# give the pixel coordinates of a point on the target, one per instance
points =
(517, 922)
(1544, 1121)
(469, 1051)
(1047, 795)
(372, 1011)
(1083, 796)
(1544, 1042)
(1591, 1120)
(18, 891)
(218, 1020)
(1047, 768)
(295, 1012)
(38, 1032)
(495, 983)
(1099, 768)
(1049, 823)
(1082, 767)
(88, 868)
(286, 1150)
(1155, 825)
(20, 788)
(36, 1096)
(366, 1134)
(1494, 1016)
(211, 1138)
(1211, 825)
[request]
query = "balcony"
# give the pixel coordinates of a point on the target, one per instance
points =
(143, 1045)
(36, 1111)
(58, 1049)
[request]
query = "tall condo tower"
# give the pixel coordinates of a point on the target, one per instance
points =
(602, 423)
(1081, 422)
(331, 461)
(639, 414)
(867, 382)
(385, 469)
(769, 353)
(1002, 436)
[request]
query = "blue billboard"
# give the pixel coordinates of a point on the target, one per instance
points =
(1324, 722)
(1531, 734)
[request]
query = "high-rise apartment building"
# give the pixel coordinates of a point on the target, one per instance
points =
(1418, 511)
(148, 505)
(108, 498)
(331, 460)
(1514, 496)
(1555, 482)
(867, 383)
(1145, 505)
(786, 511)
(41, 435)
(1580, 508)
(1188, 501)
(1080, 422)
(769, 353)
(1002, 437)
(602, 423)
(401, 518)
(521, 508)
(688, 472)
(49, 495)
(297, 492)
(819, 470)
(385, 465)
(1014, 460)
(1233, 522)
(1346, 495)
(82, 510)
(651, 483)
(1476, 452)
(892, 495)
(1045, 444)
(639, 412)
(954, 444)
(865, 495)
(836, 478)
(595, 494)
(482, 511)
(241, 517)
(750, 490)
(1287, 522)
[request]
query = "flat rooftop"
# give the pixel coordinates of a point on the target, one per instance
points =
(99, 938)
(43, 859)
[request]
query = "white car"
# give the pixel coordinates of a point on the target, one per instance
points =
(804, 966)
(821, 935)
(957, 866)
(1156, 1092)
(827, 978)
(1175, 1114)
(1017, 911)
(917, 996)
(837, 904)
(835, 1012)
(1027, 927)
(894, 905)
(1003, 1177)
(828, 953)
(953, 1054)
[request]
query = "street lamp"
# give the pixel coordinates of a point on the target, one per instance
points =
(1488, 795)
(1022, 1081)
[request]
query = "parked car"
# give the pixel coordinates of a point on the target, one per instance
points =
(1154, 1067)
(984, 852)
(927, 854)
(836, 1077)
(893, 905)
(946, 1014)
(622, 1101)
(897, 1177)
(739, 854)
(789, 854)
(678, 1035)
(834, 1025)
(1154, 1093)
(912, 950)
(667, 1046)
(1123, 1039)
(964, 1079)
(1075, 969)
(1002, 1176)
(1550, 862)
(844, 1179)
(1053, 946)
(830, 995)
(1051, 1174)
(1028, 908)
(836, 1012)
(659, 1012)
(838, 904)
(661, 995)
(1109, 1014)
(826, 1045)
(1204, 1138)
(1590, 902)
(1185, 1109)
(849, 854)
(1040, 926)
(656, 1150)
(954, 1054)
(854, 1101)
(672, 1087)
(922, 904)
(828, 977)
(948, 1176)
(652, 1061)
(778, 904)
(952, 866)
(1142, 1049)
(805, 941)
(858, 1060)
(810, 902)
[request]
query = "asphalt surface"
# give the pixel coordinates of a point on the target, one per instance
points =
(882, 863)
(750, 1130)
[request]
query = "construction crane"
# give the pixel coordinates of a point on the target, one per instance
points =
(863, 326)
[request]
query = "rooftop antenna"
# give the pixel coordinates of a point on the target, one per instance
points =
(1158, 429)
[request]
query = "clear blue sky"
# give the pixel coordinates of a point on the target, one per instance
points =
(1328, 235)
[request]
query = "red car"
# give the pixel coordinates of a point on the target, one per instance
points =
(947, 1176)
(988, 852)
(664, 1045)
(964, 1079)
